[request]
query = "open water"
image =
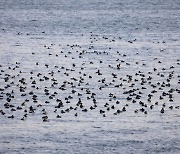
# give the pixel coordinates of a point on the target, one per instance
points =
(113, 64)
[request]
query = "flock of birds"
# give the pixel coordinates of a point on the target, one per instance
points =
(94, 78)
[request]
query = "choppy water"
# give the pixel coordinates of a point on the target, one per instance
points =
(68, 42)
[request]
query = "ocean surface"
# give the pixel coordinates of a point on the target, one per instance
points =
(90, 76)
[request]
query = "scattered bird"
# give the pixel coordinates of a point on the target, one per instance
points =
(70, 84)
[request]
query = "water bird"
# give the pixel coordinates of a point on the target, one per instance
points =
(162, 110)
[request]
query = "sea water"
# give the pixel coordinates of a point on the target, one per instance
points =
(78, 38)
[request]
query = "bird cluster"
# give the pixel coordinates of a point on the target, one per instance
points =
(95, 77)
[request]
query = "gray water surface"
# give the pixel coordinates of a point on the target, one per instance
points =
(135, 47)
